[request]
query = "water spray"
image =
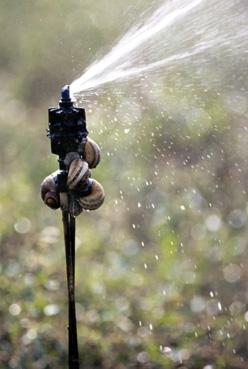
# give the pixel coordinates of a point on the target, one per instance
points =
(181, 33)
(72, 189)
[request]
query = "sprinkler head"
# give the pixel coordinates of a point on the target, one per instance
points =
(67, 127)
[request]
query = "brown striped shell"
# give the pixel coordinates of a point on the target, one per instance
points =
(75, 208)
(92, 153)
(95, 199)
(78, 173)
(48, 192)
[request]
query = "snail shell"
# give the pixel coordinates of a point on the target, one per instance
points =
(78, 173)
(96, 197)
(75, 208)
(92, 153)
(49, 193)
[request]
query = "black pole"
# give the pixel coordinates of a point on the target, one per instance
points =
(69, 237)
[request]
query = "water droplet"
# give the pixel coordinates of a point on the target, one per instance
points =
(51, 310)
(23, 225)
(15, 309)
(232, 273)
(213, 223)
(197, 304)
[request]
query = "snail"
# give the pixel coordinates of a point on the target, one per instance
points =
(96, 197)
(75, 208)
(87, 193)
(49, 192)
(78, 174)
(84, 193)
(92, 153)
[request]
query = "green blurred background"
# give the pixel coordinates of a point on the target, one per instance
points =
(161, 268)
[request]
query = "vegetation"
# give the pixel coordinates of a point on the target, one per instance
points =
(161, 267)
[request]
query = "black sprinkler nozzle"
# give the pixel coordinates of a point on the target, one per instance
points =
(67, 126)
(65, 97)
(65, 93)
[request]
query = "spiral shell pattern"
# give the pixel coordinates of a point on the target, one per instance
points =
(49, 193)
(92, 153)
(95, 199)
(78, 173)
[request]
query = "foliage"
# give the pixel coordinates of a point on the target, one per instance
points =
(161, 267)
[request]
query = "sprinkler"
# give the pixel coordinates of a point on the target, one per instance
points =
(72, 189)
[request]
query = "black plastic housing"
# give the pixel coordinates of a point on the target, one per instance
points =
(67, 127)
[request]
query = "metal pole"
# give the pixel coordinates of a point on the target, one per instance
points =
(69, 237)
